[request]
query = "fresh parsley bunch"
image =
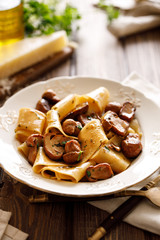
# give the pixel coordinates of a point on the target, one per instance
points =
(44, 19)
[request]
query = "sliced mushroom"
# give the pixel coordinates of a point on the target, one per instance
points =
(72, 146)
(110, 120)
(85, 118)
(43, 105)
(50, 96)
(99, 172)
(114, 107)
(73, 152)
(34, 141)
(72, 157)
(54, 145)
(127, 111)
(71, 127)
(115, 147)
(131, 146)
(79, 109)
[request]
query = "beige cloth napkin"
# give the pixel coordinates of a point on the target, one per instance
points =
(145, 216)
(135, 16)
(8, 232)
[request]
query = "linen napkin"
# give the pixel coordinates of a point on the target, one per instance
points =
(146, 215)
(135, 16)
(8, 232)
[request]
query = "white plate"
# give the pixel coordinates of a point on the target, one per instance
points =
(148, 114)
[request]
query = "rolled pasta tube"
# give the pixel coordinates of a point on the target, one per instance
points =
(59, 170)
(100, 96)
(54, 124)
(29, 121)
(66, 105)
(42, 160)
(91, 137)
(72, 173)
(96, 99)
(134, 124)
(117, 160)
(24, 149)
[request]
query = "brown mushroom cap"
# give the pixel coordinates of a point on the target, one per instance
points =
(110, 120)
(127, 111)
(54, 145)
(99, 172)
(71, 127)
(33, 142)
(79, 109)
(50, 96)
(43, 105)
(131, 146)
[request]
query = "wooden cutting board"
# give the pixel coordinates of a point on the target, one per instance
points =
(19, 80)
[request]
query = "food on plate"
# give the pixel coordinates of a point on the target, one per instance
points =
(131, 145)
(48, 99)
(26, 52)
(111, 121)
(33, 142)
(30, 121)
(81, 137)
(71, 127)
(127, 111)
(98, 172)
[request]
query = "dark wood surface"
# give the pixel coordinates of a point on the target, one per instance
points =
(99, 54)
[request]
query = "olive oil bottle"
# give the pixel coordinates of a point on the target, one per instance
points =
(11, 21)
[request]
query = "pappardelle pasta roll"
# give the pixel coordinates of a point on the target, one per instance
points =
(117, 160)
(91, 137)
(59, 170)
(29, 121)
(96, 99)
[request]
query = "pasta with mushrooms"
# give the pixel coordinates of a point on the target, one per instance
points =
(80, 138)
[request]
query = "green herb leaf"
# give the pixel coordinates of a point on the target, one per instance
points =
(111, 12)
(41, 18)
(88, 173)
(107, 148)
(63, 143)
(79, 155)
(79, 127)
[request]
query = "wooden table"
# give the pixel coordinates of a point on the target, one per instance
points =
(99, 54)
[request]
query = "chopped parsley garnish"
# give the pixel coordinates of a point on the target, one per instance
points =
(107, 148)
(79, 155)
(63, 143)
(79, 127)
(88, 173)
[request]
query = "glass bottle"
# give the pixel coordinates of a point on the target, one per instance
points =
(11, 21)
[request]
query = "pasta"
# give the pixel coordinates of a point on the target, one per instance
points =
(51, 147)
(30, 121)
